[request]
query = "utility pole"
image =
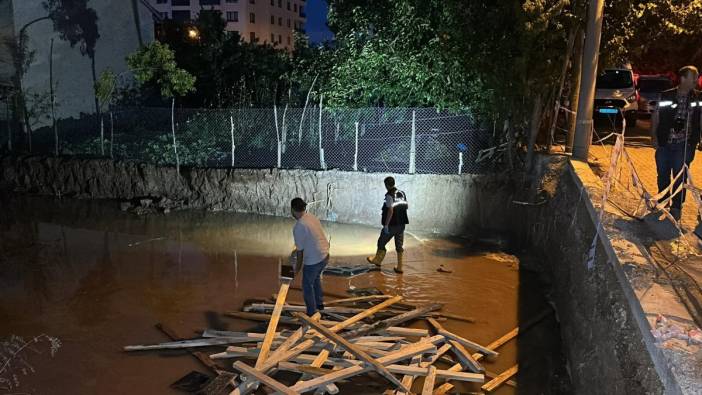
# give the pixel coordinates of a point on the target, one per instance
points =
(583, 126)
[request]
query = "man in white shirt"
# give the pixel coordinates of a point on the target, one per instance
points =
(312, 249)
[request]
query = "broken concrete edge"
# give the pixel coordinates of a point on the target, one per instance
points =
(590, 184)
(439, 204)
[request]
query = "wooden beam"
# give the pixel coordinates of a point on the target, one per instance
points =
(357, 299)
(261, 317)
(443, 389)
(273, 324)
(497, 381)
(465, 342)
(358, 353)
(200, 356)
(428, 386)
(264, 378)
(408, 379)
(393, 321)
(205, 342)
(413, 371)
(399, 355)
(491, 375)
(466, 360)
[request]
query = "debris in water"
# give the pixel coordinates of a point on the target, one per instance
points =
(442, 269)
(349, 338)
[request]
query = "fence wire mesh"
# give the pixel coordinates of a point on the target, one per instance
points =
(397, 140)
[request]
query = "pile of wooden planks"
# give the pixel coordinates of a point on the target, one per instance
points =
(350, 338)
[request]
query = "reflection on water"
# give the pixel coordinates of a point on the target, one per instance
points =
(99, 279)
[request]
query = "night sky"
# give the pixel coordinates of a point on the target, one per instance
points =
(316, 25)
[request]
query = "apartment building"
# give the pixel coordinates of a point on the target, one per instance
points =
(263, 21)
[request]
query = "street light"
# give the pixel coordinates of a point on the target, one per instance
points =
(193, 33)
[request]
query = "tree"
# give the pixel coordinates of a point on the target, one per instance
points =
(76, 23)
(655, 35)
(155, 63)
(22, 58)
(105, 90)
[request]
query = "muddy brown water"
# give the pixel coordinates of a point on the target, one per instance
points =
(97, 279)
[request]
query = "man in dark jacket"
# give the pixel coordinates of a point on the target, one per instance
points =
(676, 127)
(394, 219)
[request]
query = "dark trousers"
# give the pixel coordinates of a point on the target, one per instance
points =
(671, 158)
(397, 232)
(312, 286)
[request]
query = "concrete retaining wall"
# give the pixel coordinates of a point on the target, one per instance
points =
(446, 204)
(607, 339)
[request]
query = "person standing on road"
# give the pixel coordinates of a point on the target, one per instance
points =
(312, 254)
(675, 133)
(394, 219)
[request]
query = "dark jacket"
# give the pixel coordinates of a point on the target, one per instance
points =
(399, 214)
(667, 108)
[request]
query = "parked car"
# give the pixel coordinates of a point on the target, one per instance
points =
(650, 88)
(616, 94)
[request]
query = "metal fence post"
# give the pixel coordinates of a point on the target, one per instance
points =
(355, 152)
(231, 122)
(277, 133)
(321, 150)
(460, 162)
(413, 147)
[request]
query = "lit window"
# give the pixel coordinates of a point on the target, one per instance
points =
(232, 16)
(252, 17)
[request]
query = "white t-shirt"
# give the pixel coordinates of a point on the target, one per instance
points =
(310, 238)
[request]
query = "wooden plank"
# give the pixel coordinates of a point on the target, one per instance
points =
(492, 375)
(216, 333)
(264, 378)
(413, 371)
(358, 353)
(261, 317)
(208, 342)
(357, 299)
(428, 386)
(200, 356)
(466, 360)
(443, 389)
(366, 313)
(393, 321)
(465, 342)
(299, 349)
(399, 355)
(408, 379)
(407, 332)
(273, 324)
(497, 381)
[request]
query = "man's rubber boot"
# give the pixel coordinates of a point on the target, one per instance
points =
(400, 261)
(378, 258)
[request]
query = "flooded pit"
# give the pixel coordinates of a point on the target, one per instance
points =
(98, 279)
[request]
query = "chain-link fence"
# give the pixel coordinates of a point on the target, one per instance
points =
(397, 140)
